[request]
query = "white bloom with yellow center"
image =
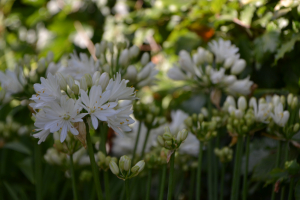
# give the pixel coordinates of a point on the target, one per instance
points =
(279, 116)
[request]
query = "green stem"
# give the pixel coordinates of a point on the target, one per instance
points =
(103, 137)
(215, 171)
(199, 167)
(145, 142)
(127, 190)
(149, 184)
(93, 162)
(286, 151)
(278, 155)
(162, 182)
(106, 184)
(291, 189)
(236, 174)
(73, 177)
(171, 177)
(245, 184)
(222, 181)
(136, 141)
(210, 170)
(192, 182)
(38, 171)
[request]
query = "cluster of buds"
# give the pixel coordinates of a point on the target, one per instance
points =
(169, 141)
(121, 58)
(224, 154)
(124, 171)
(151, 119)
(103, 161)
(69, 146)
(156, 157)
(203, 130)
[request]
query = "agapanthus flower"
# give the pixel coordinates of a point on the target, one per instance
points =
(261, 110)
(222, 49)
(279, 116)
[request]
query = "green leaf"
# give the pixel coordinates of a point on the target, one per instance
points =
(10, 191)
(17, 146)
(287, 46)
(27, 168)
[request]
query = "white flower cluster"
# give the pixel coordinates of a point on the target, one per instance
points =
(111, 59)
(60, 102)
(216, 68)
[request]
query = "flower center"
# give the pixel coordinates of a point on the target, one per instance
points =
(66, 117)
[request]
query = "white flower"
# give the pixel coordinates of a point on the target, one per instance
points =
(96, 104)
(119, 90)
(120, 122)
(222, 49)
(240, 87)
(261, 111)
(176, 74)
(238, 67)
(186, 62)
(217, 76)
(11, 82)
(279, 116)
(47, 91)
(242, 103)
(61, 116)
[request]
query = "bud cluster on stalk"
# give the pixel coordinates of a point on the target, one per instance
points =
(129, 61)
(224, 154)
(170, 141)
(103, 161)
(124, 170)
(156, 157)
(203, 130)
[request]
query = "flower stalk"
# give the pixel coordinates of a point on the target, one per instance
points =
(38, 171)
(149, 184)
(73, 177)
(127, 191)
(162, 182)
(245, 184)
(171, 177)
(145, 142)
(136, 140)
(278, 155)
(199, 167)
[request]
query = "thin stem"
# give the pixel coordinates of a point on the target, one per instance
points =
(93, 163)
(73, 177)
(38, 171)
(210, 170)
(199, 167)
(145, 142)
(282, 193)
(192, 182)
(236, 175)
(222, 181)
(215, 165)
(162, 182)
(171, 176)
(136, 140)
(245, 184)
(149, 184)
(286, 151)
(291, 189)
(278, 155)
(127, 190)
(103, 137)
(106, 185)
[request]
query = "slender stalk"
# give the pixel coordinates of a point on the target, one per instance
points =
(103, 137)
(106, 185)
(149, 184)
(93, 162)
(210, 170)
(199, 167)
(192, 182)
(171, 177)
(222, 181)
(236, 174)
(162, 182)
(215, 164)
(291, 189)
(136, 140)
(127, 190)
(278, 155)
(73, 177)
(145, 142)
(286, 151)
(38, 171)
(245, 184)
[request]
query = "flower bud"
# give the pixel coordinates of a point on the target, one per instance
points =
(149, 118)
(131, 73)
(145, 58)
(110, 47)
(167, 136)
(182, 135)
(107, 160)
(208, 57)
(228, 80)
(89, 80)
(141, 165)
(242, 103)
(61, 81)
(96, 76)
(230, 101)
(102, 47)
(125, 163)
(134, 170)
(97, 50)
(294, 103)
(160, 141)
(168, 144)
(238, 67)
(229, 62)
(208, 69)
(276, 100)
(101, 157)
(70, 80)
(282, 100)
(200, 117)
(83, 84)
(189, 123)
(145, 72)
(114, 167)
(290, 99)
(134, 51)
(296, 127)
(204, 111)
(176, 74)
(75, 89)
(185, 61)
(124, 58)
(103, 80)
(41, 66)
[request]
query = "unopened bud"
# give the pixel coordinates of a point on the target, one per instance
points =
(229, 62)
(200, 117)
(125, 163)
(89, 80)
(104, 80)
(238, 67)
(242, 103)
(96, 76)
(124, 58)
(296, 127)
(145, 58)
(41, 65)
(61, 81)
(75, 89)
(114, 167)
(188, 122)
(204, 111)
(141, 165)
(168, 144)
(160, 141)
(83, 84)
(167, 136)
(134, 51)
(282, 100)
(290, 99)
(131, 73)
(135, 170)
(107, 160)
(294, 103)
(101, 157)
(182, 135)
(97, 50)
(70, 80)
(145, 72)
(208, 57)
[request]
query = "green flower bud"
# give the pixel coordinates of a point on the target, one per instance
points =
(296, 127)
(89, 80)
(61, 81)
(242, 103)
(114, 167)
(125, 163)
(188, 122)
(134, 170)
(194, 117)
(83, 84)
(160, 141)
(145, 58)
(244, 128)
(167, 136)
(290, 99)
(107, 160)
(168, 144)
(182, 135)
(101, 157)
(200, 117)
(294, 103)
(75, 89)
(282, 100)
(141, 165)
